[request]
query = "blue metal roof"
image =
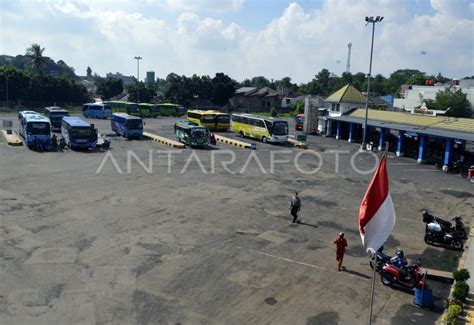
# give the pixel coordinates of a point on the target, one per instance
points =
(127, 116)
(189, 124)
(75, 121)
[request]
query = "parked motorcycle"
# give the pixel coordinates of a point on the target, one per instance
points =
(458, 230)
(381, 260)
(408, 277)
(435, 235)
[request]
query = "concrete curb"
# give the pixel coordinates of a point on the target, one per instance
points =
(298, 144)
(237, 143)
(165, 141)
(12, 139)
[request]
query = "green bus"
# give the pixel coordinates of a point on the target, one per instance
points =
(149, 110)
(169, 109)
(193, 135)
(124, 107)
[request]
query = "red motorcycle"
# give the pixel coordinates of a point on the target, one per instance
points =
(409, 277)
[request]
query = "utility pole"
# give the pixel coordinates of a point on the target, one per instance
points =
(373, 21)
(348, 65)
(138, 58)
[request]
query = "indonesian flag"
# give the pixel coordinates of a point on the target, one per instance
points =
(376, 213)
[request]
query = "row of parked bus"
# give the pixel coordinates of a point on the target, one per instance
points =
(36, 129)
(104, 110)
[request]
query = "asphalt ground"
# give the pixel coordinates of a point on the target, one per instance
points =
(174, 240)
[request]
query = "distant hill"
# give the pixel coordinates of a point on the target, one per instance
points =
(59, 68)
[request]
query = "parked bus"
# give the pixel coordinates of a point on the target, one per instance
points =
(202, 118)
(168, 109)
(192, 134)
(222, 121)
(132, 109)
(35, 128)
(97, 110)
(149, 110)
(78, 134)
(55, 115)
(126, 125)
(117, 106)
(299, 121)
(265, 129)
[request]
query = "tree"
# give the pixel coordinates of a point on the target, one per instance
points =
(109, 88)
(89, 72)
(260, 82)
(147, 93)
(223, 88)
(456, 101)
(36, 59)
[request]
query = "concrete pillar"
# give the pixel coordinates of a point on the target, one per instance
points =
(448, 153)
(422, 148)
(338, 130)
(329, 128)
(382, 140)
(401, 143)
(351, 132)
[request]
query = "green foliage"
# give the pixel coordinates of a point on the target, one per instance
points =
(50, 67)
(273, 112)
(299, 107)
(453, 313)
(461, 275)
(460, 290)
(25, 87)
(183, 90)
(146, 92)
(109, 88)
(456, 101)
(222, 88)
(36, 59)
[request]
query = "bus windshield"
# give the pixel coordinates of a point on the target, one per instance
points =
(223, 118)
(134, 124)
(81, 132)
(38, 128)
(198, 133)
(278, 128)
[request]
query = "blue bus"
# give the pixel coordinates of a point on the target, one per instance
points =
(78, 134)
(55, 115)
(35, 128)
(127, 125)
(97, 110)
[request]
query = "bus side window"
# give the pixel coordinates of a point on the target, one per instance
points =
(260, 124)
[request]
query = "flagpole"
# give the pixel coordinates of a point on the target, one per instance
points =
(372, 290)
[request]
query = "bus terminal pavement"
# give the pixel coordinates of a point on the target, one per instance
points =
(148, 234)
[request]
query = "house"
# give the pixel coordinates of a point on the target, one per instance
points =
(289, 101)
(253, 99)
(345, 100)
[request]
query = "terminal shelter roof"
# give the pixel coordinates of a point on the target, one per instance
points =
(439, 126)
(435, 122)
(347, 94)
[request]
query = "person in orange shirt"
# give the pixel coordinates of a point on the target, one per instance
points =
(341, 244)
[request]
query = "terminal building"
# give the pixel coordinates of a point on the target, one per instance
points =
(427, 138)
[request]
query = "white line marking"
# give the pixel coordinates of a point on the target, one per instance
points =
(300, 263)
(284, 259)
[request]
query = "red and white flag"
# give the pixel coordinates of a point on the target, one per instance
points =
(376, 213)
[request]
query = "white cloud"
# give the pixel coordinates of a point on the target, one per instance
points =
(298, 43)
(204, 5)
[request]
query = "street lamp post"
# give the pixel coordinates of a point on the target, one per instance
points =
(6, 86)
(368, 20)
(138, 58)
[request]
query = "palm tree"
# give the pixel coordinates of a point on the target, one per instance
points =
(37, 60)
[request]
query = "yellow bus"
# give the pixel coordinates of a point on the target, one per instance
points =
(214, 120)
(265, 129)
(222, 122)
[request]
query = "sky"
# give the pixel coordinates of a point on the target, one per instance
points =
(244, 38)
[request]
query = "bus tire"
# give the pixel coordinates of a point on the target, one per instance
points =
(264, 139)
